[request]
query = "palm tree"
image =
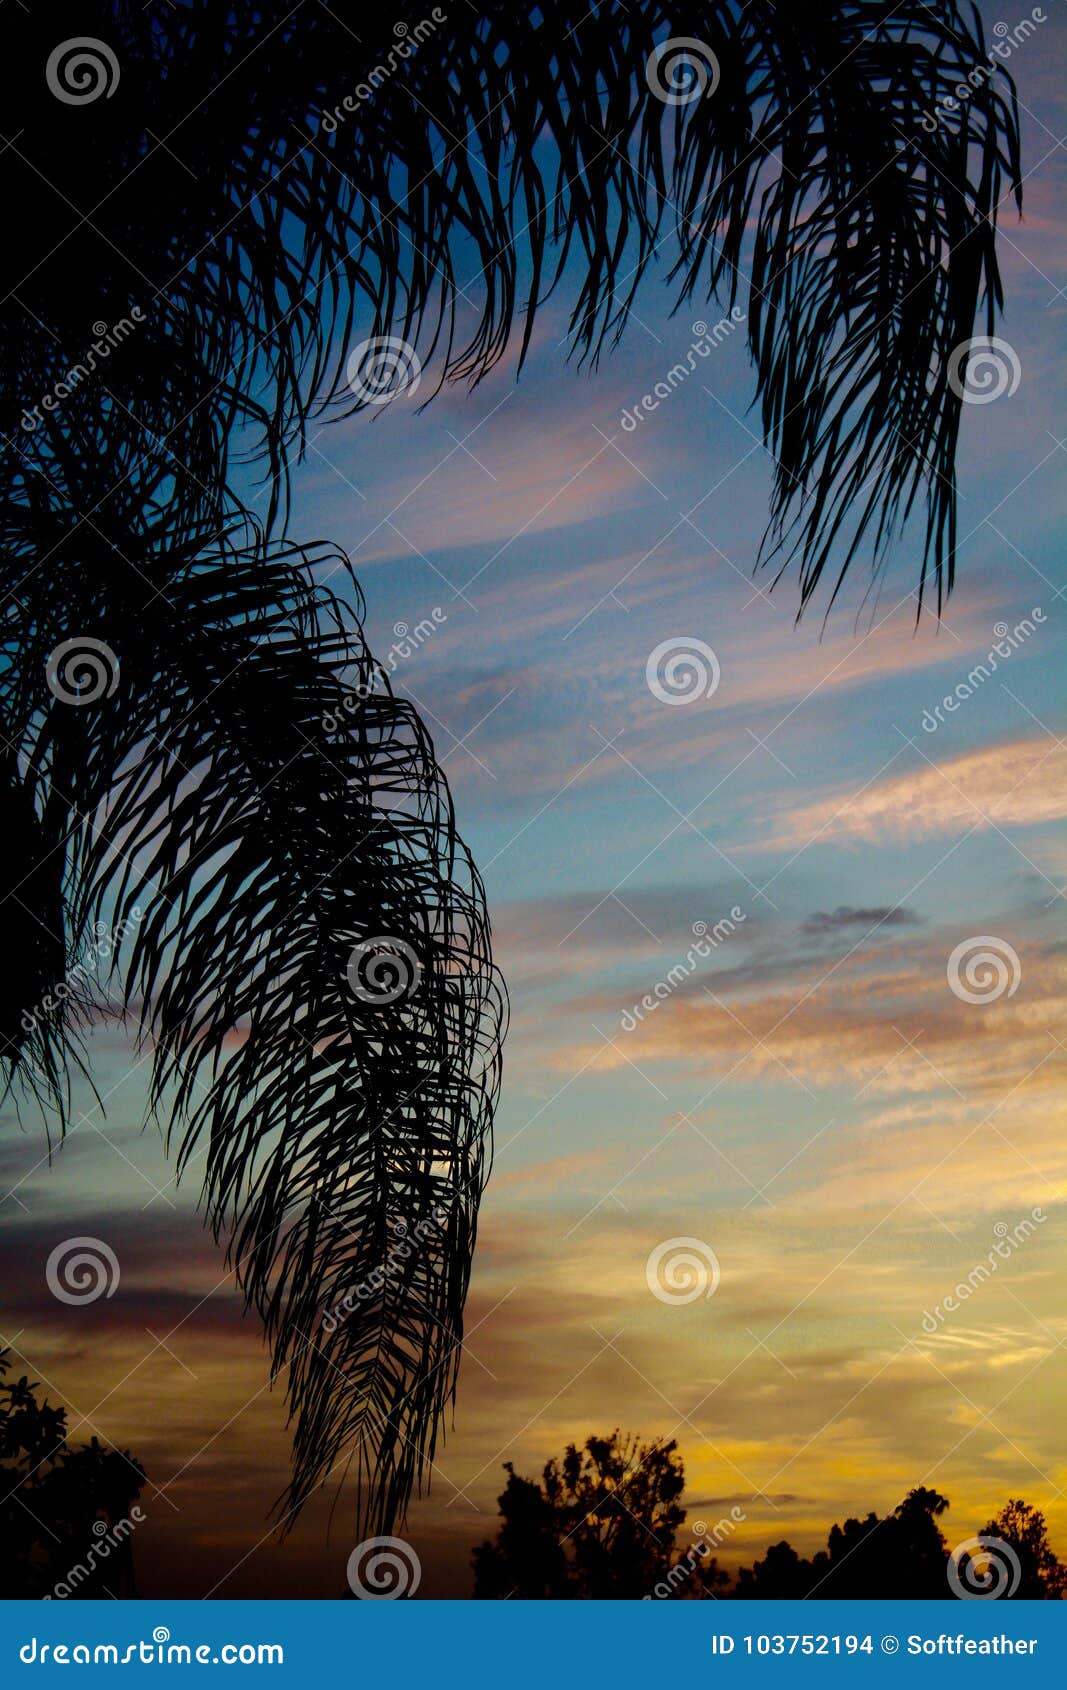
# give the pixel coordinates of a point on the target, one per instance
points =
(221, 214)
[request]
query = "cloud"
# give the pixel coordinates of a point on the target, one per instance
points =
(845, 916)
(1020, 783)
(881, 1017)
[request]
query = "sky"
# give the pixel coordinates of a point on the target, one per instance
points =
(838, 1134)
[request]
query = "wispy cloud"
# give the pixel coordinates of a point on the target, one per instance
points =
(1019, 783)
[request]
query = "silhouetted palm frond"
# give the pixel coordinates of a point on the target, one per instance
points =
(198, 251)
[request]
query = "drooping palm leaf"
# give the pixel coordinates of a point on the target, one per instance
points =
(265, 830)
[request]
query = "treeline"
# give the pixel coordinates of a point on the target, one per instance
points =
(606, 1522)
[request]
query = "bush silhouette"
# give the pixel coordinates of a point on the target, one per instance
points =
(67, 1515)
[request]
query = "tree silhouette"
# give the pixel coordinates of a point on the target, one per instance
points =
(235, 222)
(904, 1557)
(901, 1557)
(601, 1524)
(1042, 1576)
(67, 1515)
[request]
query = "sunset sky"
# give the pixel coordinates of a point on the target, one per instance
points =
(812, 1102)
